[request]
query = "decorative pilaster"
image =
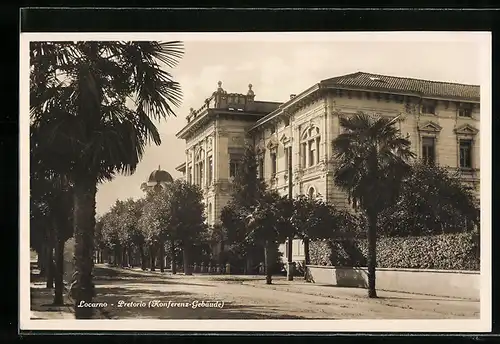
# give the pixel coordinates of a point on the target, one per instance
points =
(205, 163)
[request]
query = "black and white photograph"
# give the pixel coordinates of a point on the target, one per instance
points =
(256, 181)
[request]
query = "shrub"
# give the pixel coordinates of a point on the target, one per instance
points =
(443, 252)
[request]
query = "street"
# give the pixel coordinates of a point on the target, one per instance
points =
(153, 295)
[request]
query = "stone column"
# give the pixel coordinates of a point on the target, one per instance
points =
(195, 174)
(187, 165)
(205, 177)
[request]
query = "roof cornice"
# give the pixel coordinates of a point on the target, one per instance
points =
(282, 108)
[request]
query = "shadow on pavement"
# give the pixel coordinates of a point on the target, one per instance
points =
(133, 289)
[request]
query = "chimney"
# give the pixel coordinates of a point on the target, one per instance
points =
(292, 96)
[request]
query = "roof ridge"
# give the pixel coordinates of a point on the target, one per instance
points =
(416, 79)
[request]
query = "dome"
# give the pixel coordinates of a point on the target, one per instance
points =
(160, 176)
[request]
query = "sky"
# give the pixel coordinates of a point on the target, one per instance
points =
(279, 67)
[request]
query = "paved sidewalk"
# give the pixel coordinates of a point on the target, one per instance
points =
(298, 285)
(42, 301)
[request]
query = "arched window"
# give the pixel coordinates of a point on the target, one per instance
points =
(200, 167)
(309, 146)
(311, 193)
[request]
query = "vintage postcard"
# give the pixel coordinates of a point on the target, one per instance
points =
(225, 182)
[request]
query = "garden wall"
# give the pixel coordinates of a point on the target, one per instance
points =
(441, 252)
(447, 283)
(441, 265)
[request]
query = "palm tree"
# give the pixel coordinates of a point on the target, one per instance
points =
(92, 107)
(53, 192)
(372, 160)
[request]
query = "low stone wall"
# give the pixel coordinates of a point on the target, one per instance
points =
(458, 284)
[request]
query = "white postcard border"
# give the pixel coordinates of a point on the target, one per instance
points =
(370, 325)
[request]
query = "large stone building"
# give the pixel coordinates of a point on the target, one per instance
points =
(441, 119)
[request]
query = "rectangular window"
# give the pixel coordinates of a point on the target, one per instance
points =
(233, 168)
(317, 149)
(303, 154)
(465, 111)
(286, 120)
(312, 148)
(428, 150)
(429, 108)
(273, 163)
(190, 175)
(202, 172)
(210, 170)
(287, 157)
(466, 153)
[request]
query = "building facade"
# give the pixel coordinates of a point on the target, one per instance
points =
(440, 118)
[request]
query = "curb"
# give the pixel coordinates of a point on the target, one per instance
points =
(291, 290)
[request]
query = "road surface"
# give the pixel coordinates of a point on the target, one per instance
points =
(144, 295)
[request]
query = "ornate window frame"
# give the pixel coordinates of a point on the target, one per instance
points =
(310, 138)
(429, 129)
(199, 163)
(272, 147)
(466, 132)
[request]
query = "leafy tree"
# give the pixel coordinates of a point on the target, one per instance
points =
(186, 217)
(433, 200)
(372, 159)
(112, 233)
(92, 107)
(133, 213)
(154, 223)
(99, 242)
(268, 225)
(315, 219)
(247, 190)
(248, 187)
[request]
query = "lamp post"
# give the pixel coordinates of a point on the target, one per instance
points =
(290, 265)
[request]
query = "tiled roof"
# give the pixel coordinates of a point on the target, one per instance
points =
(419, 87)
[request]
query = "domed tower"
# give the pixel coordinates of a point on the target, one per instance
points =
(157, 179)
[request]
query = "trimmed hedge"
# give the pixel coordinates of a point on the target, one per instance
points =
(442, 252)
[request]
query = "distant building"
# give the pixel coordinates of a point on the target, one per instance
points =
(441, 118)
(157, 179)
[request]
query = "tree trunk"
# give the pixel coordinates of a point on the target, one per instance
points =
(307, 256)
(172, 258)
(124, 257)
(372, 254)
(101, 259)
(152, 255)
(268, 257)
(50, 267)
(249, 264)
(84, 222)
(162, 255)
(185, 258)
(130, 257)
(59, 273)
(289, 270)
(43, 261)
(40, 261)
(143, 257)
